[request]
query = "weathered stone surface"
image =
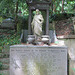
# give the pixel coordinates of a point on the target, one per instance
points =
(8, 23)
(38, 60)
(52, 35)
(72, 67)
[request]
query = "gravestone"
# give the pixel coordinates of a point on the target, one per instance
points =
(8, 23)
(38, 60)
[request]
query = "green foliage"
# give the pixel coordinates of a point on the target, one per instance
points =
(15, 1)
(60, 16)
(24, 8)
(1, 49)
(9, 39)
(1, 19)
(0, 66)
(1, 74)
(8, 8)
(22, 23)
(68, 6)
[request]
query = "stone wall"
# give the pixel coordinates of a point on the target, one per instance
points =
(70, 42)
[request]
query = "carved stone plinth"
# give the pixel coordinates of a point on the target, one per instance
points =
(38, 60)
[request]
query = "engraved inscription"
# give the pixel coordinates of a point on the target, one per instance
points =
(38, 61)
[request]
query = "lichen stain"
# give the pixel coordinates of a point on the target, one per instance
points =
(34, 68)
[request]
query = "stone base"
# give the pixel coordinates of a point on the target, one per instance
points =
(38, 60)
(72, 67)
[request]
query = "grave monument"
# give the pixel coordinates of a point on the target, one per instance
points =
(38, 57)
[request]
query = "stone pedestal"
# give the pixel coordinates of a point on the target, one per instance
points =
(38, 60)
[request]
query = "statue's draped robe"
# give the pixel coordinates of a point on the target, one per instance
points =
(37, 24)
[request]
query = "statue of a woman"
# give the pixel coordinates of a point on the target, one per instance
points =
(37, 24)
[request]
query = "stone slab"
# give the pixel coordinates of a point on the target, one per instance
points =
(38, 60)
(8, 25)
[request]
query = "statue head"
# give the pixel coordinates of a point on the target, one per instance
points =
(37, 11)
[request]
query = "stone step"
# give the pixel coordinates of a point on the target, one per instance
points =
(4, 72)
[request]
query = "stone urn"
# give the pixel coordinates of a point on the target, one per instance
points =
(31, 39)
(46, 39)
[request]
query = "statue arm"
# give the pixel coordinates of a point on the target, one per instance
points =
(42, 19)
(39, 19)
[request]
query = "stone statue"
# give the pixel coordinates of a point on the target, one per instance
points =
(37, 24)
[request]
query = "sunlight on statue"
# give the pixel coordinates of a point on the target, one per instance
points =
(37, 24)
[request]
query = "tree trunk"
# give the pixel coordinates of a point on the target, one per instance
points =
(62, 6)
(54, 8)
(51, 8)
(16, 17)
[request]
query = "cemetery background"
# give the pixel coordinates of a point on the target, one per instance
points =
(9, 37)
